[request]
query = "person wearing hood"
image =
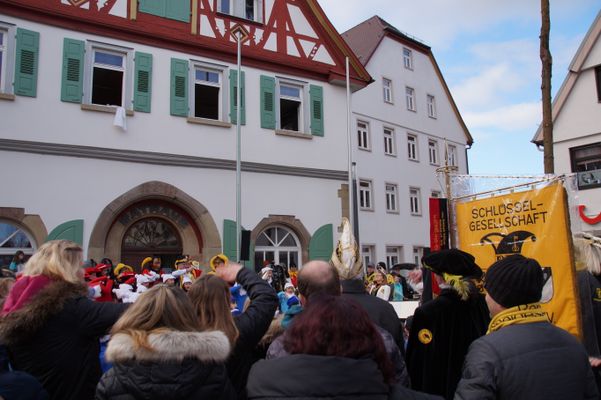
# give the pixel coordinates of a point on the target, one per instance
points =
(159, 351)
(444, 328)
(51, 328)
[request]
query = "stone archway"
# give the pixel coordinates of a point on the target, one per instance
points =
(33, 223)
(105, 240)
(290, 222)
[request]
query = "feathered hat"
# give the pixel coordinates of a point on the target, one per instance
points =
(345, 257)
(456, 267)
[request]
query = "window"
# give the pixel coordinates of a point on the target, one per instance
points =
(365, 195)
(12, 239)
(207, 93)
(291, 107)
(452, 155)
(247, 9)
(431, 102)
(368, 253)
(278, 244)
(407, 58)
(363, 135)
(598, 81)
(391, 198)
(412, 147)
(389, 147)
(418, 253)
(433, 152)
(435, 194)
(410, 96)
(392, 255)
(586, 161)
(387, 87)
(108, 77)
(415, 201)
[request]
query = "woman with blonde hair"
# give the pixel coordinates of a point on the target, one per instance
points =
(210, 296)
(158, 351)
(51, 327)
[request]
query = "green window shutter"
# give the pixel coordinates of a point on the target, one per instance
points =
(233, 87)
(143, 82)
(316, 95)
(321, 245)
(229, 239)
(70, 230)
(26, 68)
(178, 10)
(179, 87)
(72, 75)
(250, 264)
(154, 7)
(267, 102)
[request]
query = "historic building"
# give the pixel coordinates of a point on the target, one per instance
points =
(406, 126)
(118, 127)
(577, 128)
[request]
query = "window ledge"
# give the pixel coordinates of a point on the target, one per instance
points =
(364, 149)
(105, 109)
(393, 212)
(367, 209)
(415, 215)
(7, 96)
(301, 135)
(206, 121)
(416, 160)
(390, 154)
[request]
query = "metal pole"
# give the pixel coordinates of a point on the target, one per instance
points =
(350, 147)
(447, 179)
(238, 155)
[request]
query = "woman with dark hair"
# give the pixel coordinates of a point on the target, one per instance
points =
(17, 263)
(211, 297)
(335, 352)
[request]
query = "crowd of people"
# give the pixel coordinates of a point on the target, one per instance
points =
(77, 330)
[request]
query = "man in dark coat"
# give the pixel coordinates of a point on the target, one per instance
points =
(523, 356)
(444, 328)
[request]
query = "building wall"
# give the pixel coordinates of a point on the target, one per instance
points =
(60, 188)
(579, 124)
(61, 122)
(380, 228)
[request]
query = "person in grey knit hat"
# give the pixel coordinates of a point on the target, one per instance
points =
(523, 355)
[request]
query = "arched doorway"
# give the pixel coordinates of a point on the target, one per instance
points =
(155, 237)
(197, 230)
(278, 244)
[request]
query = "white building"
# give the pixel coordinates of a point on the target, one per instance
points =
(166, 184)
(577, 127)
(406, 123)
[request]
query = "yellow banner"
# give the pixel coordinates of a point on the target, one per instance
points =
(535, 224)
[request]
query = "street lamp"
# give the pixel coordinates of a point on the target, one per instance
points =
(240, 35)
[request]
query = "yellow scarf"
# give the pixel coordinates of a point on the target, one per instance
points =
(522, 314)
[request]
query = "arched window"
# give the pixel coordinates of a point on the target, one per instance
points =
(151, 237)
(278, 244)
(12, 239)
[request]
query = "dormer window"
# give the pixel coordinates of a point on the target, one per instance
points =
(247, 9)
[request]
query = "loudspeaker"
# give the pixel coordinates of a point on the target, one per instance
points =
(244, 245)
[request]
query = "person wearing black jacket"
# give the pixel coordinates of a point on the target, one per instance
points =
(50, 327)
(245, 330)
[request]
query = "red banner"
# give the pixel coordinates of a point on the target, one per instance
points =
(439, 224)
